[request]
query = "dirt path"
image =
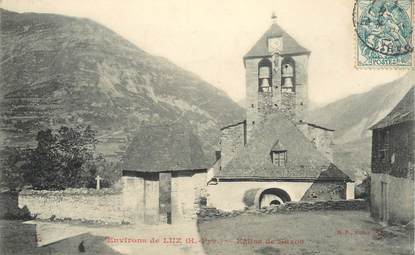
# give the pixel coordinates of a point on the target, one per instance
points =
(58, 238)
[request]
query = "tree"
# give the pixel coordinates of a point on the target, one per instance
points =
(63, 158)
(12, 167)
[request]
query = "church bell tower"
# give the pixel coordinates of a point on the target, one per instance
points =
(276, 76)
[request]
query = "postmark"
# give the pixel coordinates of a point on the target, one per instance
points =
(384, 33)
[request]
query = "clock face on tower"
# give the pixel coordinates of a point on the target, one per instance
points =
(275, 44)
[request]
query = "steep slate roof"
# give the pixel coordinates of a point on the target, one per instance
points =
(289, 44)
(171, 147)
(304, 161)
(402, 112)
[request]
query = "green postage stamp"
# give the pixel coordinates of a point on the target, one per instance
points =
(384, 33)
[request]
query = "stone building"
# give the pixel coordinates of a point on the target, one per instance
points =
(164, 175)
(392, 178)
(276, 155)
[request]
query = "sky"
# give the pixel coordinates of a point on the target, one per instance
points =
(210, 37)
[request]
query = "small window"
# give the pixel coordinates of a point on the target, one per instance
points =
(383, 154)
(279, 158)
(386, 141)
(384, 137)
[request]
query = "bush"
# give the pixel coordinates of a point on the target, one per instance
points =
(18, 214)
(249, 197)
(362, 190)
(203, 201)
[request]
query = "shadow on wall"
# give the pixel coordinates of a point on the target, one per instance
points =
(18, 237)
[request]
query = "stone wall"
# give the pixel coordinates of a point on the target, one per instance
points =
(133, 198)
(232, 140)
(265, 103)
(394, 153)
(229, 196)
(212, 213)
(357, 204)
(142, 201)
(187, 190)
(399, 198)
(321, 138)
(325, 191)
(77, 204)
(288, 104)
(251, 90)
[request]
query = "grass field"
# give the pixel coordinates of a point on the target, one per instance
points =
(330, 232)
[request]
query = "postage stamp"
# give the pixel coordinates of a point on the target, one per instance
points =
(384, 33)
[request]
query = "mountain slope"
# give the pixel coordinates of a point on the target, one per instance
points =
(58, 70)
(352, 117)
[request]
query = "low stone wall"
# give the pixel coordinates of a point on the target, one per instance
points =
(211, 213)
(356, 204)
(103, 205)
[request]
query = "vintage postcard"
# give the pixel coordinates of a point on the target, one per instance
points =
(214, 127)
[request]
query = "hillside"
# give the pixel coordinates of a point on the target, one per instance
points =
(58, 70)
(352, 117)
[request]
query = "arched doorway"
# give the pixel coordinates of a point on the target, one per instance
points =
(269, 197)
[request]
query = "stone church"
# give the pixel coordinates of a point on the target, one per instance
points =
(276, 155)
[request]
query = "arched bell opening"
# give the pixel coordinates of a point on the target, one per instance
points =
(288, 74)
(265, 75)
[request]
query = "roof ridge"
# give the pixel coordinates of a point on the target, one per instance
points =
(387, 120)
(165, 148)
